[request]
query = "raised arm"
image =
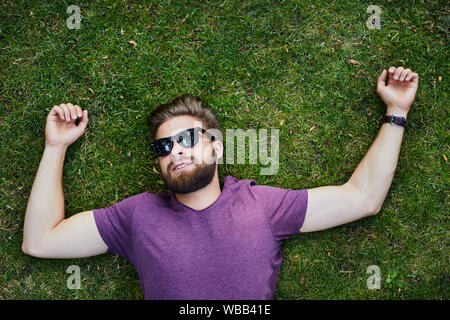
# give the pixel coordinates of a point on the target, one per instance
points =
(46, 234)
(365, 191)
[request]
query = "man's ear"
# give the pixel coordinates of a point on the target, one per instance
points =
(218, 147)
(157, 161)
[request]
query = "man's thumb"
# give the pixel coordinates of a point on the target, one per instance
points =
(84, 121)
(381, 82)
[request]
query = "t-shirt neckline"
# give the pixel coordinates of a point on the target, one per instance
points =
(174, 201)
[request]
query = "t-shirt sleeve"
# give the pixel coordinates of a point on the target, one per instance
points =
(285, 208)
(114, 226)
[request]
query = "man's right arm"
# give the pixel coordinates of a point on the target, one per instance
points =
(46, 233)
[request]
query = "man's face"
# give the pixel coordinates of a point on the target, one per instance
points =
(200, 160)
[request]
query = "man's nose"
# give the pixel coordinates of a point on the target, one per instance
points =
(177, 149)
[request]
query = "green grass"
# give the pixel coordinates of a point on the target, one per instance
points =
(255, 63)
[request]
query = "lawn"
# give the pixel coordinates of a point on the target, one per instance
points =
(258, 64)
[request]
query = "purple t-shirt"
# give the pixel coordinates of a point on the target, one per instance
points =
(230, 250)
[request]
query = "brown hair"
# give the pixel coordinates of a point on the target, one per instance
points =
(183, 105)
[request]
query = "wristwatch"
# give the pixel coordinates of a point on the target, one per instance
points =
(400, 121)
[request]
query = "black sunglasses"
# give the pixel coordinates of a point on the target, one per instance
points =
(186, 138)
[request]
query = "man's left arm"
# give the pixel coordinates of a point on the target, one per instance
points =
(364, 193)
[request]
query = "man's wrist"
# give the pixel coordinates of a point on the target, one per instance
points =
(396, 111)
(56, 148)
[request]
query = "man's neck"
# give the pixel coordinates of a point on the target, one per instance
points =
(203, 197)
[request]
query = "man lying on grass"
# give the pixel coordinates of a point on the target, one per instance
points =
(201, 241)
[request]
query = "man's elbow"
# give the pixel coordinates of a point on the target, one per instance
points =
(30, 250)
(374, 209)
(27, 249)
(366, 204)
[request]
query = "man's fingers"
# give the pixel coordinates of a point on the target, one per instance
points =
(70, 107)
(79, 112)
(401, 74)
(404, 73)
(412, 76)
(391, 71)
(66, 112)
(73, 114)
(397, 73)
(58, 111)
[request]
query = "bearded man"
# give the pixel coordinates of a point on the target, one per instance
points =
(201, 240)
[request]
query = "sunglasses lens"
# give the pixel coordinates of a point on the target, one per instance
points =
(163, 147)
(187, 138)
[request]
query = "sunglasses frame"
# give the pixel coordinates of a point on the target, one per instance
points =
(175, 137)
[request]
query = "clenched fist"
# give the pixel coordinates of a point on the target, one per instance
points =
(60, 129)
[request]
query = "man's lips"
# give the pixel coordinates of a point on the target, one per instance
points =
(181, 166)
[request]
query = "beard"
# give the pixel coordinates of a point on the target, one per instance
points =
(191, 180)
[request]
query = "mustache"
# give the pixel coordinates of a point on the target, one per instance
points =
(171, 164)
(190, 159)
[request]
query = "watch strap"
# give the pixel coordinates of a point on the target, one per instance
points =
(400, 121)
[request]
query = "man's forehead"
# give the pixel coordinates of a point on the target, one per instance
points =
(176, 125)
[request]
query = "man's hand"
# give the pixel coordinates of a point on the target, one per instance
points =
(60, 130)
(399, 94)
